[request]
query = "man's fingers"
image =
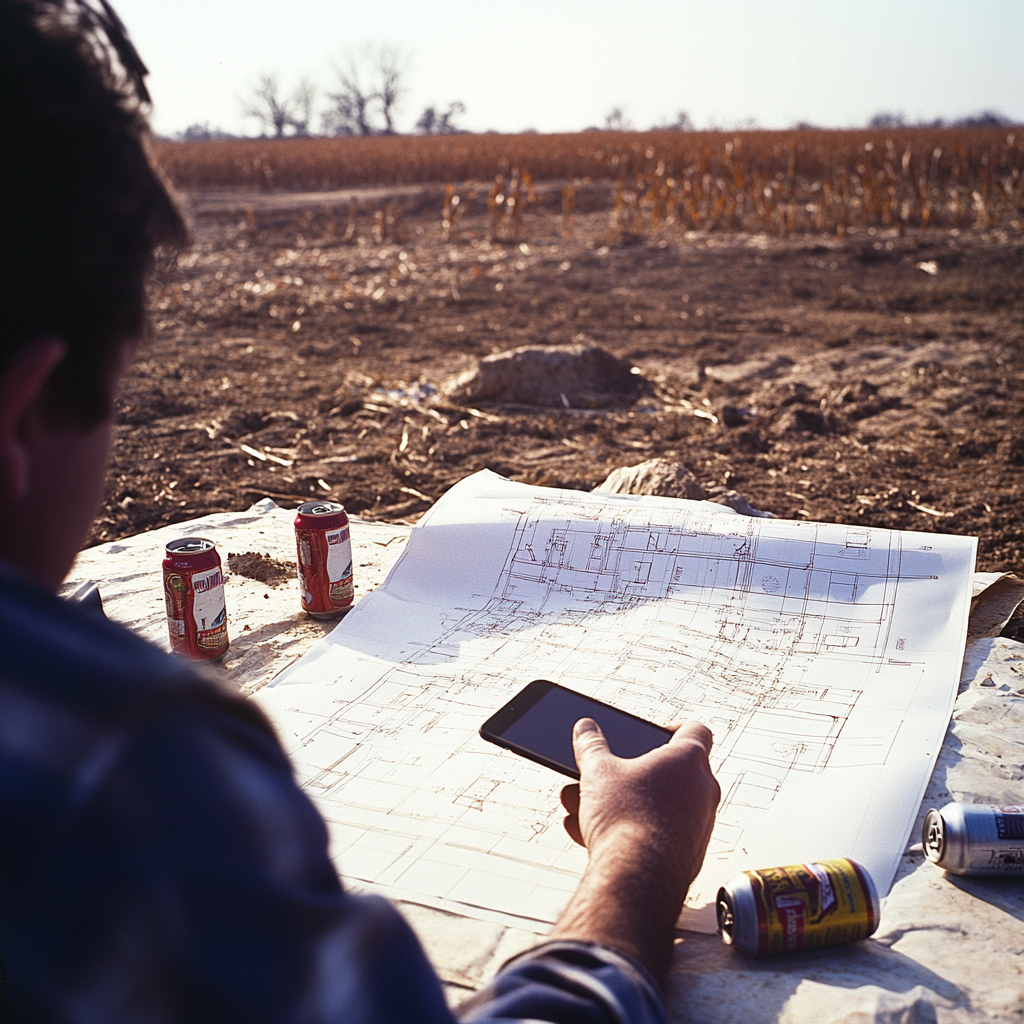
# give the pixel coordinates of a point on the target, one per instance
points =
(570, 797)
(691, 732)
(572, 826)
(588, 741)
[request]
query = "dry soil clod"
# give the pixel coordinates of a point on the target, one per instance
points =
(570, 376)
(655, 476)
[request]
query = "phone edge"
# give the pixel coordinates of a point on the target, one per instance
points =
(528, 754)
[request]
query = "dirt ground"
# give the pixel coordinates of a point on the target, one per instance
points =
(874, 379)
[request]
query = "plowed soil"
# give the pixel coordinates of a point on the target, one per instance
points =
(872, 379)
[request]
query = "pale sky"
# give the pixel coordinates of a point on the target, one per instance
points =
(561, 65)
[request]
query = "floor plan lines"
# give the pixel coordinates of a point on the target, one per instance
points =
(802, 646)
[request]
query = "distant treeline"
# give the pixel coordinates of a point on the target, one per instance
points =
(434, 121)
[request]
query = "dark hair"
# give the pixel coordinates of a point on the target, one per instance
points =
(83, 209)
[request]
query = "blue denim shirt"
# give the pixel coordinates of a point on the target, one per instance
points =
(160, 864)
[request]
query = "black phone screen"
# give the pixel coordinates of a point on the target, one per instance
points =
(539, 720)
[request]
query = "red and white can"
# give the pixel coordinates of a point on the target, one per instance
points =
(194, 594)
(324, 546)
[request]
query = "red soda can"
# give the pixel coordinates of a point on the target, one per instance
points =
(194, 594)
(324, 547)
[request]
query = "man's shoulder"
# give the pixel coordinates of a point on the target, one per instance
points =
(73, 682)
(77, 658)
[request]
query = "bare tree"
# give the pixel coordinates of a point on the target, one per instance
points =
(617, 121)
(276, 112)
(370, 85)
(302, 100)
(428, 121)
(433, 122)
(389, 66)
(682, 123)
(888, 119)
(201, 132)
(349, 113)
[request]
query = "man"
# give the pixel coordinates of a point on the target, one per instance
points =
(159, 862)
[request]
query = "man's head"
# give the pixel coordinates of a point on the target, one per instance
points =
(83, 213)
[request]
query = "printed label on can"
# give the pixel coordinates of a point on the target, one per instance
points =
(1009, 822)
(339, 566)
(175, 598)
(1009, 857)
(339, 555)
(209, 609)
(804, 906)
(1003, 862)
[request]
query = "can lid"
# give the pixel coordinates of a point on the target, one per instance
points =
(189, 545)
(933, 836)
(726, 916)
(321, 508)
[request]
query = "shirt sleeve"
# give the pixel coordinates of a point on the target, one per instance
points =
(563, 982)
(199, 888)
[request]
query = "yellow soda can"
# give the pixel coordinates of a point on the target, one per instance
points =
(799, 906)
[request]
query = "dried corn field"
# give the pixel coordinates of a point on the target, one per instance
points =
(793, 182)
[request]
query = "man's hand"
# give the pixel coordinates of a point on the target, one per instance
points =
(665, 799)
(645, 822)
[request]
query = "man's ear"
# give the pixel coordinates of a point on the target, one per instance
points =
(22, 383)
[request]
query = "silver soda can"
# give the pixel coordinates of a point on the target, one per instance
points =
(798, 906)
(975, 839)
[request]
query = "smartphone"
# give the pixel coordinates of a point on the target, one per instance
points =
(537, 723)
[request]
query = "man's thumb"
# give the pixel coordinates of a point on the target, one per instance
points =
(588, 741)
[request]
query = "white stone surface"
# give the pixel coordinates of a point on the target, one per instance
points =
(948, 950)
(267, 628)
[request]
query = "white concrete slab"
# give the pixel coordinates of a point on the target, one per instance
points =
(948, 950)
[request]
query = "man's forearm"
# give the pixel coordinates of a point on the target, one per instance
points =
(626, 900)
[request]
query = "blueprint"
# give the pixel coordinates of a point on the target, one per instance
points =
(823, 657)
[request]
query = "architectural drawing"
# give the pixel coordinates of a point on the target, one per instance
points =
(823, 657)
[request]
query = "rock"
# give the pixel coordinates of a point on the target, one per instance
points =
(578, 376)
(753, 369)
(239, 422)
(349, 408)
(801, 420)
(738, 503)
(656, 476)
(794, 392)
(858, 392)
(752, 441)
(735, 416)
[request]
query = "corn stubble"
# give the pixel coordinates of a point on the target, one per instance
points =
(779, 183)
